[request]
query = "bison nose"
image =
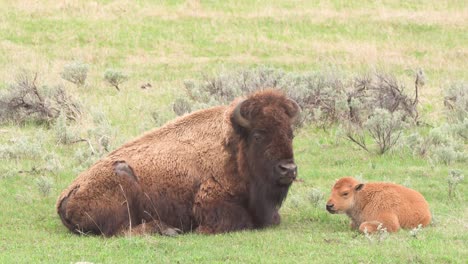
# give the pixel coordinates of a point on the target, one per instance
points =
(287, 168)
(330, 208)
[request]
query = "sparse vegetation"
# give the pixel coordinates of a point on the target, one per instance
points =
(385, 128)
(227, 85)
(63, 133)
(181, 107)
(52, 163)
(25, 100)
(316, 197)
(456, 102)
(379, 236)
(75, 72)
(115, 77)
(320, 95)
(21, 148)
(325, 98)
(377, 106)
(442, 144)
(455, 177)
(44, 184)
(415, 231)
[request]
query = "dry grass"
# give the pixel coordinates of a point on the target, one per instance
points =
(425, 14)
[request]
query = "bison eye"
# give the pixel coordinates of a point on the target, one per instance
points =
(257, 136)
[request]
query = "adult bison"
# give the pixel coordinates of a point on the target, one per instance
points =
(217, 170)
(372, 204)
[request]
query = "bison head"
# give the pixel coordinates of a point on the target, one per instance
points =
(342, 195)
(264, 122)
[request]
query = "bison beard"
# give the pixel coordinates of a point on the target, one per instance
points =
(265, 201)
(217, 170)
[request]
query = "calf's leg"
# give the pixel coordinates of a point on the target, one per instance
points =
(388, 221)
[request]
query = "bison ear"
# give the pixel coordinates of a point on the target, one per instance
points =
(359, 187)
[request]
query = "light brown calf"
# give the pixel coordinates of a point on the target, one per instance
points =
(369, 205)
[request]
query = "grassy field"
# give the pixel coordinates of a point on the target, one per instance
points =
(166, 43)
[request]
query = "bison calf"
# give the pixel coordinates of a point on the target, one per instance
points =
(369, 205)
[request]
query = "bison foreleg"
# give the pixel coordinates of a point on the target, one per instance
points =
(221, 217)
(276, 218)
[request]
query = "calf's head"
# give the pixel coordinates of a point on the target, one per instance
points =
(343, 195)
(264, 122)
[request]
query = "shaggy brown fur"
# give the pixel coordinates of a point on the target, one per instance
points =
(206, 171)
(369, 205)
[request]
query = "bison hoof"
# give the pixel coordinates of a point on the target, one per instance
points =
(171, 232)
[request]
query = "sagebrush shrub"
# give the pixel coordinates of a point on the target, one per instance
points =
(84, 158)
(159, 117)
(100, 136)
(75, 72)
(454, 178)
(25, 100)
(460, 129)
(115, 77)
(316, 197)
(52, 163)
(385, 128)
(320, 96)
(181, 106)
(378, 106)
(64, 133)
(21, 147)
(379, 90)
(456, 102)
(44, 184)
(442, 144)
(325, 98)
(374, 104)
(294, 201)
(227, 85)
(446, 147)
(456, 105)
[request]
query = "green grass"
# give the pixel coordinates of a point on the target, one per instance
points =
(166, 43)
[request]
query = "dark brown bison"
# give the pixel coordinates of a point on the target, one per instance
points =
(369, 205)
(217, 170)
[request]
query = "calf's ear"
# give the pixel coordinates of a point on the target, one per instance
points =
(359, 187)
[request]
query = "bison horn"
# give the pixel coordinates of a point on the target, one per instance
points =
(298, 110)
(240, 120)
